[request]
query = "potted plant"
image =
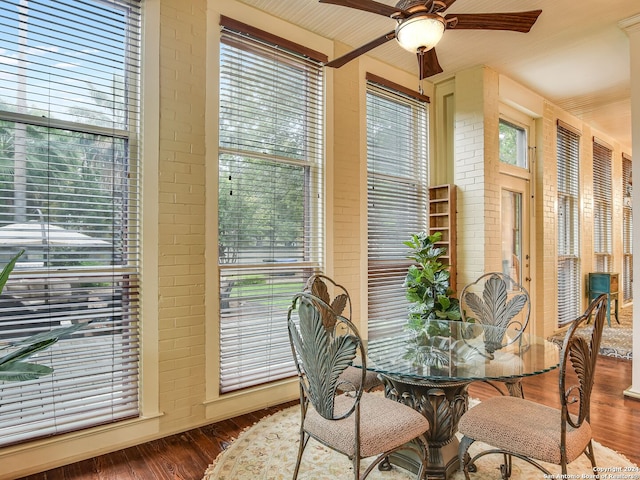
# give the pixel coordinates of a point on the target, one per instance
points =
(432, 301)
(13, 366)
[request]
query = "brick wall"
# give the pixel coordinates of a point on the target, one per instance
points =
(181, 242)
(546, 245)
(469, 174)
(346, 185)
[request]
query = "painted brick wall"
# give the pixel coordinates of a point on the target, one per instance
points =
(181, 212)
(469, 174)
(546, 195)
(493, 230)
(346, 184)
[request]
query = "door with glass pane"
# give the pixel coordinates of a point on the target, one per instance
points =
(515, 137)
(514, 225)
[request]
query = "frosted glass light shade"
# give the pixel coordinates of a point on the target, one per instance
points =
(422, 31)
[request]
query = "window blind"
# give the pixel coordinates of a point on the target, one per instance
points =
(271, 197)
(69, 197)
(397, 152)
(568, 155)
(627, 230)
(602, 207)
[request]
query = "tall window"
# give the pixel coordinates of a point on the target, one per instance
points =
(627, 230)
(397, 198)
(569, 293)
(69, 108)
(602, 208)
(270, 218)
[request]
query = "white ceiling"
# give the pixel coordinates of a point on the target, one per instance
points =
(576, 55)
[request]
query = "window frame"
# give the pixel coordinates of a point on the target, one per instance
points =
(522, 145)
(387, 262)
(627, 229)
(568, 244)
(118, 311)
(242, 347)
(602, 206)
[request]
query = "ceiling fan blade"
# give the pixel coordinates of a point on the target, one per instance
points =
(340, 61)
(430, 65)
(514, 21)
(367, 6)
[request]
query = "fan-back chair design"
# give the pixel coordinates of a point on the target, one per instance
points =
(496, 299)
(355, 423)
(323, 287)
(534, 432)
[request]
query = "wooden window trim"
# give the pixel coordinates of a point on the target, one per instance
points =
(602, 143)
(569, 127)
(240, 27)
(394, 86)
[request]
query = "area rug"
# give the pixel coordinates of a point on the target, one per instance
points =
(268, 450)
(616, 339)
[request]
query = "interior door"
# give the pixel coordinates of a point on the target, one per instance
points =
(517, 162)
(516, 141)
(515, 224)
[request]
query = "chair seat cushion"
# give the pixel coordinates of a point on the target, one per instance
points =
(384, 424)
(524, 427)
(351, 378)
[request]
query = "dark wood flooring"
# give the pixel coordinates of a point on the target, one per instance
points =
(615, 422)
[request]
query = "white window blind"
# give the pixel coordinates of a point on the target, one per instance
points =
(69, 115)
(271, 198)
(602, 207)
(627, 230)
(397, 153)
(568, 152)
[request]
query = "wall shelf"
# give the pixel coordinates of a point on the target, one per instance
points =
(442, 218)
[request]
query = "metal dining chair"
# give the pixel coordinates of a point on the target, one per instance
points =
(497, 300)
(355, 423)
(515, 427)
(337, 297)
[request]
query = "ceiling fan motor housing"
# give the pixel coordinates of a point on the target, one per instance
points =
(413, 6)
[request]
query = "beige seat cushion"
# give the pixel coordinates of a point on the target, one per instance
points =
(352, 376)
(521, 426)
(384, 425)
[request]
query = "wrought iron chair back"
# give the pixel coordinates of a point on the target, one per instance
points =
(580, 354)
(322, 350)
(331, 293)
(337, 297)
(497, 300)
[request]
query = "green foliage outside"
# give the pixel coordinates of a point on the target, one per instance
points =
(512, 144)
(66, 178)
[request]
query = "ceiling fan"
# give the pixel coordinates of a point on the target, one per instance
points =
(421, 24)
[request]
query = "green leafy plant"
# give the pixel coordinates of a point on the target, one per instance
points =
(8, 268)
(431, 298)
(427, 283)
(13, 366)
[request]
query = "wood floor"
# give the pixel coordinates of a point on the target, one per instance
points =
(615, 422)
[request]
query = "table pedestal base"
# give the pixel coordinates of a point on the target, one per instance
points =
(442, 403)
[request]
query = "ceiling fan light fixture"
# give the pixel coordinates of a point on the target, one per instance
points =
(422, 31)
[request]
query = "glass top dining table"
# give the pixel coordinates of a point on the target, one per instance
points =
(461, 352)
(431, 373)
